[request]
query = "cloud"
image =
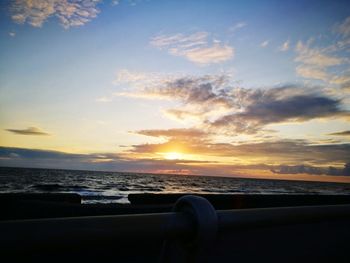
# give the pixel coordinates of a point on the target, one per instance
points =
(206, 55)
(315, 56)
(37, 158)
(69, 12)
(342, 80)
(22, 157)
(237, 26)
(292, 152)
(9, 152)
(28, 131)
(312, 73)
(314, 62)
(343, 28)
(306, 169)
(204, 91)
(252, 109)
(346, 86)
(285, 46)
(296, 151)
(180, 40)
(200, 142)
(276, 106)
(175, 133)
(265, 43)
(342, 133)
(104, 99)
(221, 106)
(179, 115)
(318, 61)
(298, 169)
(12, 34)
(142, 79)
(115, 2)
(195, 47)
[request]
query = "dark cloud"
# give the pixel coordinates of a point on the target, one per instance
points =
(342, 133)
(346, 86)
(305, 169)
(226, 108)
(10, 152)
(20, 157)
(275, 106)
(346, 170)
(36, 158)
(28, 131)
(202, 91)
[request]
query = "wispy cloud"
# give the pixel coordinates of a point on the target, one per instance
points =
(285, 46)
(184, 114)
(184, 134)
(104, 99)
(180, 40)
(342, 133)
(115, 2)
(314, 62)
(12, 34)
(343, 79)
(310, 72)
(315, 57)
(237, 26)
(265, 43)
(206, 55)
(69, 12)
(197, 47)
(142, 79)
(343, 28)
(28, 131)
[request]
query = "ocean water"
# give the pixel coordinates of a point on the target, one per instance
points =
(107, 187)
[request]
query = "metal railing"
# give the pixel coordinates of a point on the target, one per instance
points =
(186, 232)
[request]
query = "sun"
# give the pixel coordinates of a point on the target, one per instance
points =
(172, 156)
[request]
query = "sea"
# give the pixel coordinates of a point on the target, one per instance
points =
(114, 187)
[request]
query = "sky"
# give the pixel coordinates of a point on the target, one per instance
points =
(256, 89)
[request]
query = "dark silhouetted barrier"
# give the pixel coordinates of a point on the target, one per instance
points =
(193, 232)
(70, 198)
(239, 201)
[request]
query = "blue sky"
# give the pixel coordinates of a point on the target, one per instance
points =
(138, 79)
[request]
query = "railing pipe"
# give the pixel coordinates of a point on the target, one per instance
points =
(57, 232)
(249, 218)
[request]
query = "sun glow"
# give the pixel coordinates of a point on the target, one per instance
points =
(173, 156)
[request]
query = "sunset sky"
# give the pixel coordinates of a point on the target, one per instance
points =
(255, 89)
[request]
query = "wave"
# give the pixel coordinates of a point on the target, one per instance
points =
(108, 187)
